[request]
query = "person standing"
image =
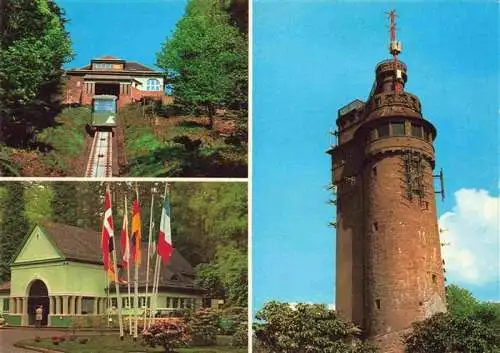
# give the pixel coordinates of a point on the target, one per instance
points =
(38, 316)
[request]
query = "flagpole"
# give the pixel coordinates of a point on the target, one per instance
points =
(155, 284)
(136, 279)
(128, 272)
(158, 263)
(153, 292)
(117, 285)
(147, 264)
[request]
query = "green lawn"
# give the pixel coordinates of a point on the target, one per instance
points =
(112, 344)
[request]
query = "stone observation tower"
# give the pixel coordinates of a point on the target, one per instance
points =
(389, 271)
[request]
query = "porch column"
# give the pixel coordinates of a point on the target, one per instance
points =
(79, 305)
(51, 305)
(96, 306)
(24, 316)
(18, 305)
(65, 304)
(57, 300)
(25, 305)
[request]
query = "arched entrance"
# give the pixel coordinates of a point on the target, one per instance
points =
(38, 295)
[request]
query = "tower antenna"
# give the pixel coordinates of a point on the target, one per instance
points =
(395, 49)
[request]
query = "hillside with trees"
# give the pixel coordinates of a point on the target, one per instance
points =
(34, 46)
(203, 133)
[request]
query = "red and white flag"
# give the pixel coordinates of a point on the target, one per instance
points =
(165, 247)
(125, 242)
(107, 235)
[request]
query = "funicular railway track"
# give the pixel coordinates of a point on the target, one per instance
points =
(100, 163)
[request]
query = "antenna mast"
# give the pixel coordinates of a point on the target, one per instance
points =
(395, 49)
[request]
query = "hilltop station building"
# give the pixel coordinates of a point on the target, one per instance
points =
(60, 267)
(127, 80)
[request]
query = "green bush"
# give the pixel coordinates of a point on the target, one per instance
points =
(202, 326)
(240, 337)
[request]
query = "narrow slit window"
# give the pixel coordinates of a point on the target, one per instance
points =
(434, 278)
(377, 303)
(375, 226)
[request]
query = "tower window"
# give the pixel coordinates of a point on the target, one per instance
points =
(377, 303)
(375, 226)
(416, 130)
(398, 129)
(383, 130)
(434, 278)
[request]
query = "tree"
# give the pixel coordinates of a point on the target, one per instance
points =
(13, 227)
(460, 301)
(469, 326)
(444, 333)
(206, 59)
(38, 198)
(306, 328)
(35, 45)
(64, 202)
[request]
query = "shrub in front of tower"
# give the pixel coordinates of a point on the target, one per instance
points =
(445, 333)
(169, 333)
(311, 328)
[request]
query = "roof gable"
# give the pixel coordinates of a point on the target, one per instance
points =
(37, 246)
(75, 243)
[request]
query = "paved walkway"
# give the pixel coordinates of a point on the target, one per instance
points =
(9, 336)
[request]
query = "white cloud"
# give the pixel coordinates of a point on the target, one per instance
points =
(472, 230)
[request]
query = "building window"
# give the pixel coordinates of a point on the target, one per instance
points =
(6, 303)
(175, 303)
(114, 302)
(398, 129)
(375, 226)
(153, 85)
(434, 279)
(107, 66)
(377, 302)
(383, 130)
(206, 303)
(182, 302)
(169, 302)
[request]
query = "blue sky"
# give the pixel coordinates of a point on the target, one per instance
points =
(310, 58)
(129, 29)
